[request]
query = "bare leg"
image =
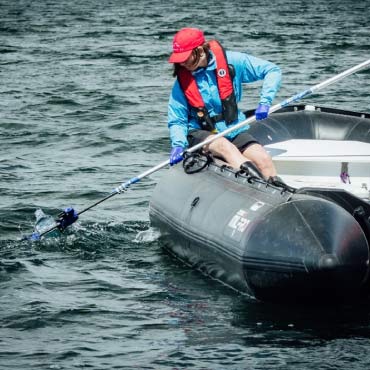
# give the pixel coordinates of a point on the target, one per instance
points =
(261, 159)
(231, 154)
(227, 150)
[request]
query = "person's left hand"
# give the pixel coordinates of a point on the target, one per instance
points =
(262, 111)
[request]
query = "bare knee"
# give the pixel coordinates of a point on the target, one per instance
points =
(263, 159)
(221, 146)
(258, 155)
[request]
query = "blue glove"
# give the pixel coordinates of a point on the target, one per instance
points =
(262, 111)
(66, 218)
(176, 155)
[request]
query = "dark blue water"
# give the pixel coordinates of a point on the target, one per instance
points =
(83, 98)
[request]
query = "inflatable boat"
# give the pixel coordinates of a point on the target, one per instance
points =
(307, 239)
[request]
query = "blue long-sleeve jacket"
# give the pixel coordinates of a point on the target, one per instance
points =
(182, 119)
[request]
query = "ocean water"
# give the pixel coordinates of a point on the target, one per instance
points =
(83, 102)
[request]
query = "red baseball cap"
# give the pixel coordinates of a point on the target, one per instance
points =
(184, 42)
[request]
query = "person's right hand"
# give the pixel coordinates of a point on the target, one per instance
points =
(176, 155)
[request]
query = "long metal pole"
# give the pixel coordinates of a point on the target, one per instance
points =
(286, 102)
(252, 119)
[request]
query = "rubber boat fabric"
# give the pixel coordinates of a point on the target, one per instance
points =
(273, 243)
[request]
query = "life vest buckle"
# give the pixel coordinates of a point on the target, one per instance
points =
(204, 119)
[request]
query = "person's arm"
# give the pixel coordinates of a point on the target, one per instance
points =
(250, 69)
(258, 69)
(178, 115)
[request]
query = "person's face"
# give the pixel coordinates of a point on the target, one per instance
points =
(196, 59)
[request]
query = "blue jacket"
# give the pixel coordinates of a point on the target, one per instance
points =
(182, 119)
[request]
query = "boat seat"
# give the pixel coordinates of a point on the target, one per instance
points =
(320, 163)
(320, 150)
(316, 146)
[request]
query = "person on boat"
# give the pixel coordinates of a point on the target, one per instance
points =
(204, 100)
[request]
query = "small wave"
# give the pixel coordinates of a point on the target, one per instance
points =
(25, 323)
(87, 169)
(57, 100)
(10, 266)
(9, 30)
(91, 241)
(7, 49)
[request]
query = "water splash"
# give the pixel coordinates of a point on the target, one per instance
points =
(147, 236)
(45, 222)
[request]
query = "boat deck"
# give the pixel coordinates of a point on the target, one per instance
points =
(320, 150)
(320, 163)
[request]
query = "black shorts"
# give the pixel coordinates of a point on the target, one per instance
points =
(242, 141)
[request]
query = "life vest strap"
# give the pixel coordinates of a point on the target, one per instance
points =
(224, 75)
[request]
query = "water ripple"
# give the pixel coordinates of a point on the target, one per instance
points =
(83, 108)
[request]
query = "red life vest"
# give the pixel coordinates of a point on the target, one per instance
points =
(225, 90)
